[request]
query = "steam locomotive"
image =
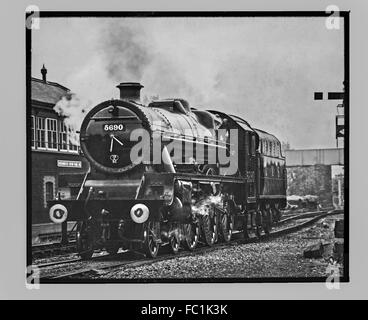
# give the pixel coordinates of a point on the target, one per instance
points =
(168, 174)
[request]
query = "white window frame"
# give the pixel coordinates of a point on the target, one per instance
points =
(70, 145)
(62, 126)
(33, 134)
(38, 131)
(64, 130)
(52, 131)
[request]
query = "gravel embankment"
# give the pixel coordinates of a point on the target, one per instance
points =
(282, 257)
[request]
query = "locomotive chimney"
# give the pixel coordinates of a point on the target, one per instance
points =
(130, 91)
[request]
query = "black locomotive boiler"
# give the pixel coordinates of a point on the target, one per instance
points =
(168, 174)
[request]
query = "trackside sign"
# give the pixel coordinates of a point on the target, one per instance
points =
(69, 164)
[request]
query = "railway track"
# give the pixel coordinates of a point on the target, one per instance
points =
(53, 249)
(106, 262)
(57, 249)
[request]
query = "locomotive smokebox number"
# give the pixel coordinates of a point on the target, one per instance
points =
(113, 127)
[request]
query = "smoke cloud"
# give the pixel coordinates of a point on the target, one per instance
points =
(204, 206)
(71, 108)
(125, 52)
(264, 70)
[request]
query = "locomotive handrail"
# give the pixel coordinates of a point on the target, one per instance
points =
(114, 118)
(207, 178)
(83, 183)
(194, 138)
(112, 183)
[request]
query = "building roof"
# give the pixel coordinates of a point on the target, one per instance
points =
(47, 91)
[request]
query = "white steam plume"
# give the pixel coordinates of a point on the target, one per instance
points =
(71, 108)
(240, 66)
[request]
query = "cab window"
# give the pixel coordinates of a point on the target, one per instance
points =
(253, 145)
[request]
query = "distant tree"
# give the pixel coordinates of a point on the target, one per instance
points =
(310, 180)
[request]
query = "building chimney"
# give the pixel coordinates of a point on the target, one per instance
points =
(43, 71)
(130, 91)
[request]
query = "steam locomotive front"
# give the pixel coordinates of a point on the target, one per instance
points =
(107, 129)
(130, 189)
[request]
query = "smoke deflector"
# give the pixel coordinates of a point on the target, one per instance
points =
(130, 91)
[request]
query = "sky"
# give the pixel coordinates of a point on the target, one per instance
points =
(265, 70)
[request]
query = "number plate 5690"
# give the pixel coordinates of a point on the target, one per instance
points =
(113, 127)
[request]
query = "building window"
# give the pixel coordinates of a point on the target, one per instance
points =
(48, 189)
(33, 132)
(41, 132)
(63, 136)
(66, 142)
(73, 146)
(51, 134)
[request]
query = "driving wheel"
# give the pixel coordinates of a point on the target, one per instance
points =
(84, 240)
(227, 223)
(151, 243)
(191, 235)
(209, 227)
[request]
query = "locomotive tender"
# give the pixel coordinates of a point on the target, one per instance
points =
(169, 174)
